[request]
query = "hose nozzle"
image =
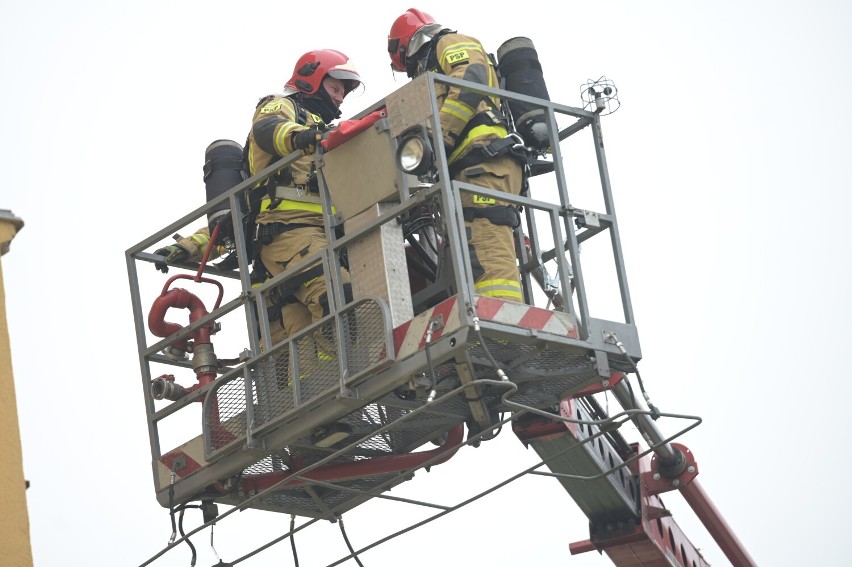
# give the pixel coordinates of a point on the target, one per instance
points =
(165, 388)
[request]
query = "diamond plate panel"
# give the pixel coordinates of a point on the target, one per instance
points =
(378, 265)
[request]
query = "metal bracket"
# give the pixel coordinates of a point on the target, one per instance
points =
(473, 394)
(657, 483)
(602, 365)
(348, 394)
(585, 218)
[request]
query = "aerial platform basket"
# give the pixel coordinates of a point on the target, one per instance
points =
(389, 381)
(378, 408)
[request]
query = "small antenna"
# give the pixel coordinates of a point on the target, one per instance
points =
(600, 96)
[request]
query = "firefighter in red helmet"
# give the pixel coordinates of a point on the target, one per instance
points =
(472, 125)
(290, 218)
(289, 213)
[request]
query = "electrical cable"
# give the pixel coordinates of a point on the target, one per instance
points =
(433, 246)
(630, 390)
(432, 325)
(491, 358)
(293, 540)
(172, 508)
(439, 235)
(422, 264)
(213, 547)
(346, 539)
(496, 432)
(655, 413)
(183, 533)
(503, 377)
(255, 551)
(530, 470)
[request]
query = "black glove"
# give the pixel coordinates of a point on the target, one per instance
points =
(222, 219)
(170, 253)
(307, 139)
(230, 262)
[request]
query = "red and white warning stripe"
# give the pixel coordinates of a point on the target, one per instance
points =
(411, 336)
(189, 458)
(184, 461)
(526, 316)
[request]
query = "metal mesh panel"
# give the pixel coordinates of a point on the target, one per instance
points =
(268, 464)
(313, 357)
(318, 371)
(365, 337)
(403, 436)
(320, 501)
(541, 393)
(309, 455)
(365, 344)
(544, 374)
(369, 419)
(317, 500)
(273, 386)
(305, 499)
(316, 359)
(225, 414)
(550, 361)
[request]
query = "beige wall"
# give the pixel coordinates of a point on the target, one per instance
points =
(14, 519)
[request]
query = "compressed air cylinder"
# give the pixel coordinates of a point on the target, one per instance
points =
(520, 69)
(223, 169)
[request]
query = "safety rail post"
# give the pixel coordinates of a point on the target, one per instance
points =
(615, 239)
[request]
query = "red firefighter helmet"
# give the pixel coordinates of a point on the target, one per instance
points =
(408, 34)
(313, 66)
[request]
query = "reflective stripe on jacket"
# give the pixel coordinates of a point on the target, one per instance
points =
(463, 57)
(275, 122)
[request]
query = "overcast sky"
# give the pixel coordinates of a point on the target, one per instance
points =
(731, 173)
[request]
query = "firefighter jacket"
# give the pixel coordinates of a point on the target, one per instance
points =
(196, 245)
(276, 121)
(468, 119)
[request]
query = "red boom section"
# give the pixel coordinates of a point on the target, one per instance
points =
(654, 541)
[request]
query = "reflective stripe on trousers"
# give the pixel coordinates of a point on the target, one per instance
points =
(506, 289)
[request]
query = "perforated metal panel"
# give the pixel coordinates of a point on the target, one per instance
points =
(323, 363)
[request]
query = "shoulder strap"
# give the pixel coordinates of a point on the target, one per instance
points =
(301, 113)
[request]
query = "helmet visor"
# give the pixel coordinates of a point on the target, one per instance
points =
(351, 79)
(421, 37)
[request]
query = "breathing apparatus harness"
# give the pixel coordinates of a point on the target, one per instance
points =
(276, 189)
(520, 71)
(284, 177)
(512, 144)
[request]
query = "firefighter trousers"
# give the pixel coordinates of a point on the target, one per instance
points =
(492, 247)
(308, 302)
